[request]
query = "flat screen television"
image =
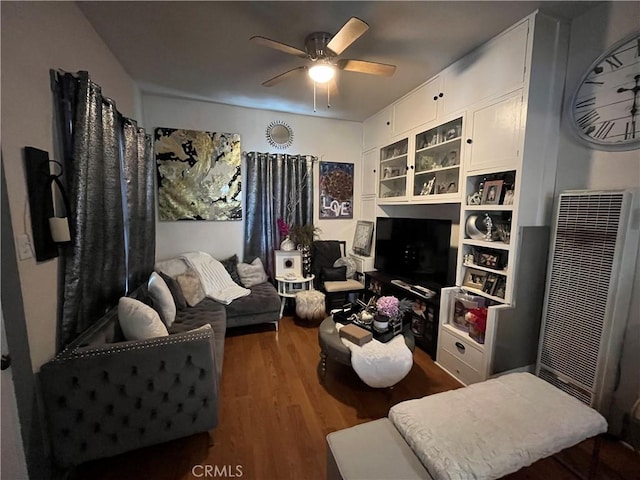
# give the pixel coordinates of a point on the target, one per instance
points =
(413, 249)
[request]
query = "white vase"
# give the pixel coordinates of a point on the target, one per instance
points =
(287, 244)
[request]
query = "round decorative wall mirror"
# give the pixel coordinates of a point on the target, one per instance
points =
(279, 134)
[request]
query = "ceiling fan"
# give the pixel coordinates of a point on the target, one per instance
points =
(322, 48)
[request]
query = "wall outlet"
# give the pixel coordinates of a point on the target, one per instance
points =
(25, 251)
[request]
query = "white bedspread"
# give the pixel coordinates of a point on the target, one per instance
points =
(493, 428)
(378, 364)
(216, 281)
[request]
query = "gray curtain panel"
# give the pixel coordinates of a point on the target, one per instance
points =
(109, 173)
(277, 186)
(138, 168)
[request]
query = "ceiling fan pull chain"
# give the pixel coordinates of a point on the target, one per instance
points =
(314, 97)
(328, 96)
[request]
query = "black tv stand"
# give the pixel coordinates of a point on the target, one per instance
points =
(424, 320)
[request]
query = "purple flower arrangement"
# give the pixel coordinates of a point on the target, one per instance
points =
(283, 227)
(388, 306)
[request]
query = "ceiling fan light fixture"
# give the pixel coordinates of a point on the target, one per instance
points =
(321, 73)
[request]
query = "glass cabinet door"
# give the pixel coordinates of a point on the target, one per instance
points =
(437, 160)
(393, 170)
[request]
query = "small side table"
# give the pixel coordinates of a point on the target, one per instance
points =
(287, 288)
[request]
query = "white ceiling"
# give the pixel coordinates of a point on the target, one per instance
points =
(201, 50)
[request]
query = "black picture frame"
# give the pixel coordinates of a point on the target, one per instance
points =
(490, 283)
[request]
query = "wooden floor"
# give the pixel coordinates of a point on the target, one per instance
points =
(275, 414)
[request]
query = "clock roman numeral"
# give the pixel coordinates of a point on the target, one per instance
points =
(630, 130)
(638, 47)
(588, 118)
(586, 103)
(614, 62)
(604, 129)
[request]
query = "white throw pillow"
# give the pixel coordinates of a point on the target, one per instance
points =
(139, 321)
(252, 273)
(162, 298)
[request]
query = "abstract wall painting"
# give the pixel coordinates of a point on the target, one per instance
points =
(336, 190)
(198, 175)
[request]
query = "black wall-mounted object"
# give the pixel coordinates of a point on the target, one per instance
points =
(40, 202)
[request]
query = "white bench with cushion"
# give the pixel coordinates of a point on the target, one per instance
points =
(486, 430)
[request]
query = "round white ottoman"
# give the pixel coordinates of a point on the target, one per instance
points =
(310, 305)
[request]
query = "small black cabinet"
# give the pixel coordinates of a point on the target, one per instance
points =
(424, 316)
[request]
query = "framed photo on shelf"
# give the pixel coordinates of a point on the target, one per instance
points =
(362, 238)
(490, 283)
(492, 191)
(501, 286)
(489, 259)
(474, 278)
(508, 197)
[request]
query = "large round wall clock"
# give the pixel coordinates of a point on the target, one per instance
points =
(605, 107)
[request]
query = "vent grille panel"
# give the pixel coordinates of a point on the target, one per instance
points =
(578, 290)
(573, 390)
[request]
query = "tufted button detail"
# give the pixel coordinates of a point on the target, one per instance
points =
(62, 402)
(109, 409)
(92, 395)
(142, 430)
(154, 414)
(125, 420)
(134, 370)
(179, 408)
(121, 389)
(65, 432)
(114, 438)
(202, 374)
(165, 397)
(168, 425)
(75, 383)
(138, 404)
(205, 402)
(176, 380)
(192, 391)
(83, 446)
(79, 416)
(96, 428)
(194, 417)
(189, 360)
(150, 386)
(105, 376)
(163, 366)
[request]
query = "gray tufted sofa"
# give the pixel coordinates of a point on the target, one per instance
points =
(104, 396)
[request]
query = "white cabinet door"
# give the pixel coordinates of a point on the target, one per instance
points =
(417, 108)
(368, 209)
(494, 134)
(369, 167)
(493, 69)
(377, 128)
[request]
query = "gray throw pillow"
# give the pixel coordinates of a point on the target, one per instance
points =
(231, 265)
(176, 291)
(252, 274)
(348, 262)
(191, 287)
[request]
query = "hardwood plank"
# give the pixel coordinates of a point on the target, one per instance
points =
(275, 413)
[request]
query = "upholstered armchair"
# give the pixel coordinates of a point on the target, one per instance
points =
(333, 272)
(103, 398)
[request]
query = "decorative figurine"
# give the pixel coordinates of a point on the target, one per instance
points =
(488, 223)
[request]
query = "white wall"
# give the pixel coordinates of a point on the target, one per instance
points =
(37, 36)
(329, 140)
(581, 167)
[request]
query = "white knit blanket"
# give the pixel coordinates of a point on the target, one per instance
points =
(493, 428)
(378, 364)
(216, 281)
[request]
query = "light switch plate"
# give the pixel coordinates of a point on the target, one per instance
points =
(25, 251)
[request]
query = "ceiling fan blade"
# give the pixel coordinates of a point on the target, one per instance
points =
(349, 33)
(362, 66)
(283, 76)
(283, 47)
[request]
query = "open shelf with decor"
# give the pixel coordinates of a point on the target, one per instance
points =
(436, 167)
(393, 168)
